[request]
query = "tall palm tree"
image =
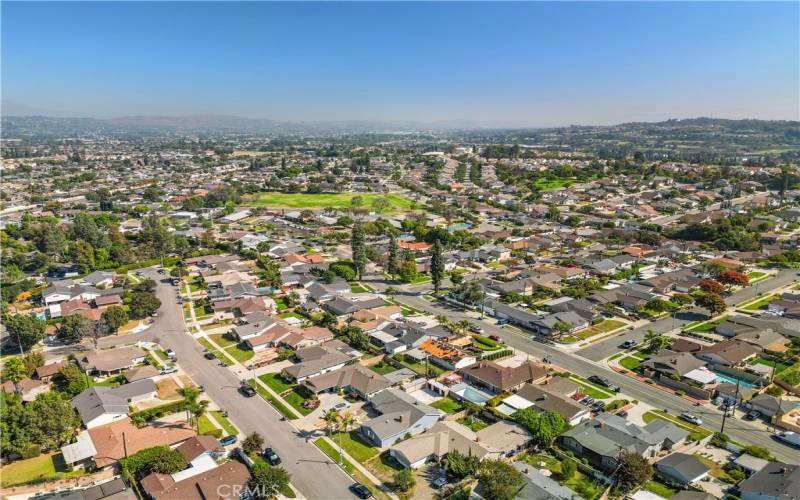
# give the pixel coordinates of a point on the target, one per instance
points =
(346, 420)
(331, 417)
(462, 326)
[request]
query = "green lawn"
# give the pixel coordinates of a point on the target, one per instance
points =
(226, 424)
(355, 446)
(608, 325)
(578, 483)
(286, 200)
(281, 304)
(161, 354)
(358, 289)
(239, 354)
(206, 426)
(275, 382)
(205, 343)
(223, 339)
(50, 466)
(420, 366)
(630, 363)
(761, 361)
(382, 368)
(705, 326)
(761, 303)
(333, 453)
(447, 405)
(549, 185)
(291, 314)
(660, 489)
(590, 389)
(475, 424)
(295, 399)
(282, 409)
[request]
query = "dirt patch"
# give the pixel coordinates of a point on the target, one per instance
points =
(186, 381)
(128, 327)
(168, 389)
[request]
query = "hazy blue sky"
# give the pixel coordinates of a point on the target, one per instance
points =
(497, 63)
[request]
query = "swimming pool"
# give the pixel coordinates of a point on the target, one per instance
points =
(472, 395)
(732, 380)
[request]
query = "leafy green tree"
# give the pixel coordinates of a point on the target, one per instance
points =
(72, 380)
(15, 434)
(344, 269)
(52, 421)
(359, 248)
(74, 328)
(562, 328)
(159, 459)
(568, 469)
(143, 304)
(500, 480)
(437, 266)
(654, 342)
(24, 330)
(32, 361)
(268, 481)
(404, 480)
(253, 443)
(460, 466)
(544, 427)
(633, 471)
(115, 317)
(15, 371)
(355, 337)
(408, 271)
(713, 303)
(393, 262)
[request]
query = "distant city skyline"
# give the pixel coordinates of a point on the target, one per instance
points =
(490, 64)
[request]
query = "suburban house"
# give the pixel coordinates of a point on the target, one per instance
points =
(729, 353)
(104, 445)
(398, 414)
(497, 378)
(553, 396)
(496, 441)
(681, 469)
(540, 487)
(671, 363)
(354, 378)
(112, 361)
(29, 388)
(602, 439)
(201, 454)
(776, 481)
(101, 405)
(224, 482)
(320, 359)
(46, 373)
(548, 325)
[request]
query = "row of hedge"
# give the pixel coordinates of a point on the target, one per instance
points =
(142, 417)
(497, 355)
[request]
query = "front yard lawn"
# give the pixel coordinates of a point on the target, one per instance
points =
(278, 405)
(358, 289)
(761, 303)
(226, 424)
(333, 453)
(291, 314)
(590, 389)
(355, 445)
(239, 354)
(296, 399)
(608, 325)
(206, 426)
(223, 339)
(447, 405)
(275, 382)
(761, 361)
(630, 363)
(578, 483)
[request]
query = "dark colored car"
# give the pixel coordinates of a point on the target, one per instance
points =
(360, 490)
(628, 344)
(271, 457)
(229, 440)
(247, 391)
(209, 355)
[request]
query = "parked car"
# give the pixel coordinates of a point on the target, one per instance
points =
(587, 401)
(360, 490)
(209, 355)
(691, 418)
(439, 483)
(496, 338)
(340, 406)
(502, 322)
(622, 413)
(247, 391)
(476, 329)
(752, 415)
(228, 440)
(170, 353)
(271, 457)
(166, 370)
(628, 344)
(788, 437)
(598, 406)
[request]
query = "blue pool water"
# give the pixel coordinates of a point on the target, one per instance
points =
(726, 378)
(473, 396)
(456, 227)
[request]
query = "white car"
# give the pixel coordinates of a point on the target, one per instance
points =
(692, 418)
(788, 437)
(165, 370)
(170, 353)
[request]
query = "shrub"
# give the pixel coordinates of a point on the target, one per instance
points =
(719, 440)
(141, 417)
(34, 451)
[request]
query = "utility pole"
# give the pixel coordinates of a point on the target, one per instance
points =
(733, 409)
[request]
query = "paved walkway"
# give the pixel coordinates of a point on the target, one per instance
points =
(361, 468)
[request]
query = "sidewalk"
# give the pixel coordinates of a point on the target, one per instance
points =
(360, 468)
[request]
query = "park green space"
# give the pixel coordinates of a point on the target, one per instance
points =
(323, 200)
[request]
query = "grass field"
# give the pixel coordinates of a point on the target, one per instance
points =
(282, 409)
(447, 405)
(206, 426)
(382, 368)
(759, 304)
(295, 399)
(336, 200)
(630, 363)
(355, 446)
(590, 389)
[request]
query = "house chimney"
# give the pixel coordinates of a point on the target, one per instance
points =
(401, 418)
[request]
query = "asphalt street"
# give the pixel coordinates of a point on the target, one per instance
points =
(313, 474)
